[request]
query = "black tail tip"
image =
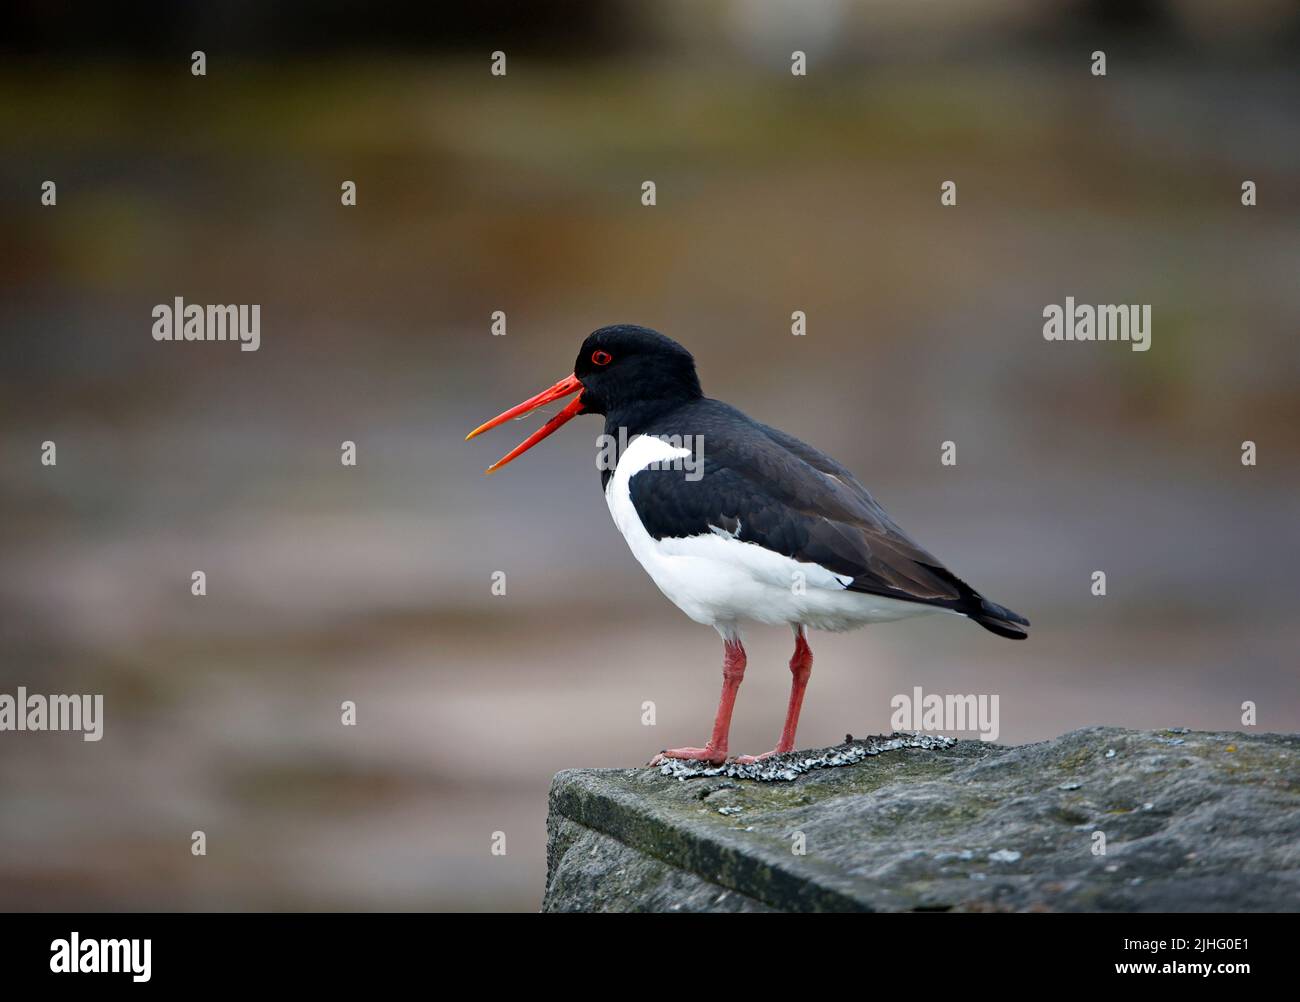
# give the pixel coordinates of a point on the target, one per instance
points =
(1002, 628)
(1002, 621)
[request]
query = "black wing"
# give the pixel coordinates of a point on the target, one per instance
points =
(787, 497)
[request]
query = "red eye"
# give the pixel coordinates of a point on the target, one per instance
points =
(601, 358)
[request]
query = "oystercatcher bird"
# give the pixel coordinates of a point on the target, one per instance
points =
(739, 522)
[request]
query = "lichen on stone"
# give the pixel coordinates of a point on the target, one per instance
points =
(784, 768)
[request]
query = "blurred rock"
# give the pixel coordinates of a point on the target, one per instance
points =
(1191, 821)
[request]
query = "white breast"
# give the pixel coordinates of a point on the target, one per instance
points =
(718, 580)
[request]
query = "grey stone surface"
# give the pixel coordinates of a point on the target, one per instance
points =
(1192, 821)
(600, 873)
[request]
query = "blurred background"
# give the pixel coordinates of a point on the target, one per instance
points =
(522, 194)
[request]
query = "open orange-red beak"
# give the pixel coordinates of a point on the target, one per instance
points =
(567, 385)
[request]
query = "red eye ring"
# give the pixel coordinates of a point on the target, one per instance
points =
(601, 358)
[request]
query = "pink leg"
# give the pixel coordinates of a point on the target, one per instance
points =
(800, 668)
(733, 672)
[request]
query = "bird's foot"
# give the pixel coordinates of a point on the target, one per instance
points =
(751, 759)
(706, 754)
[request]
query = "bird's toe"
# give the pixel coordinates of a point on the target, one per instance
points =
(751, 759)
(705, 754)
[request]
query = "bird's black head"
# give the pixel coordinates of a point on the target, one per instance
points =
(631, 373)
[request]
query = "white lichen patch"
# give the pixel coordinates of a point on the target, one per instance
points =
(783, 768)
